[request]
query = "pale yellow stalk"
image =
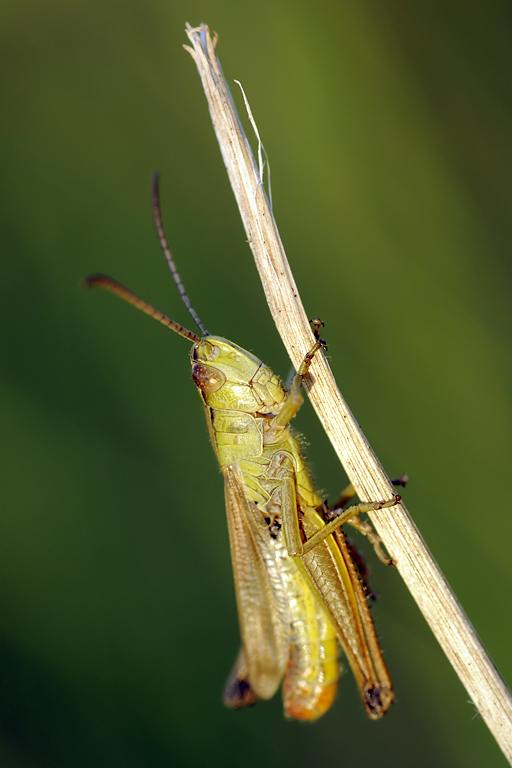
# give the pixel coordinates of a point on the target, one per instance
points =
(416, 565)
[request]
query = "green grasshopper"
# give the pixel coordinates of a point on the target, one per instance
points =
(298, 589)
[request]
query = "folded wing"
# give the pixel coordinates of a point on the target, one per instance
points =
(260, 593)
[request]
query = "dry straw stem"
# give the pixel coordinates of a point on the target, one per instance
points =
(416, 565)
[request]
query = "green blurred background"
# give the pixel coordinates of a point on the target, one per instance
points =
(388, 126)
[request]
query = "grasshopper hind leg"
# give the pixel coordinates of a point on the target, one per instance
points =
(238, 691)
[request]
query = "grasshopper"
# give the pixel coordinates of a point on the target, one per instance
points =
(298, 590)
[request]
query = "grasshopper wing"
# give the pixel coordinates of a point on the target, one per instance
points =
(260, 593)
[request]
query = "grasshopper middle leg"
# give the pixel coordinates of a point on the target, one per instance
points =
(291, 527)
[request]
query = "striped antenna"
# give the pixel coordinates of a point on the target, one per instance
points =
(157, 214)
(119, 290)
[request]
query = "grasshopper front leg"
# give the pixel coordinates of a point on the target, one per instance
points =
(294, 400)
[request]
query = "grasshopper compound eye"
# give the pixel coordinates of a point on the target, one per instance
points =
(207, 379)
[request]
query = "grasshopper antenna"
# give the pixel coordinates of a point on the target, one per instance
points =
(102, 281)
(157, 215)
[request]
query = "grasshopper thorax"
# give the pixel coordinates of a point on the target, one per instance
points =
(230, 378)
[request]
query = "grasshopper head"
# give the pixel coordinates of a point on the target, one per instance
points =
(229, 377)
(226, 376)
